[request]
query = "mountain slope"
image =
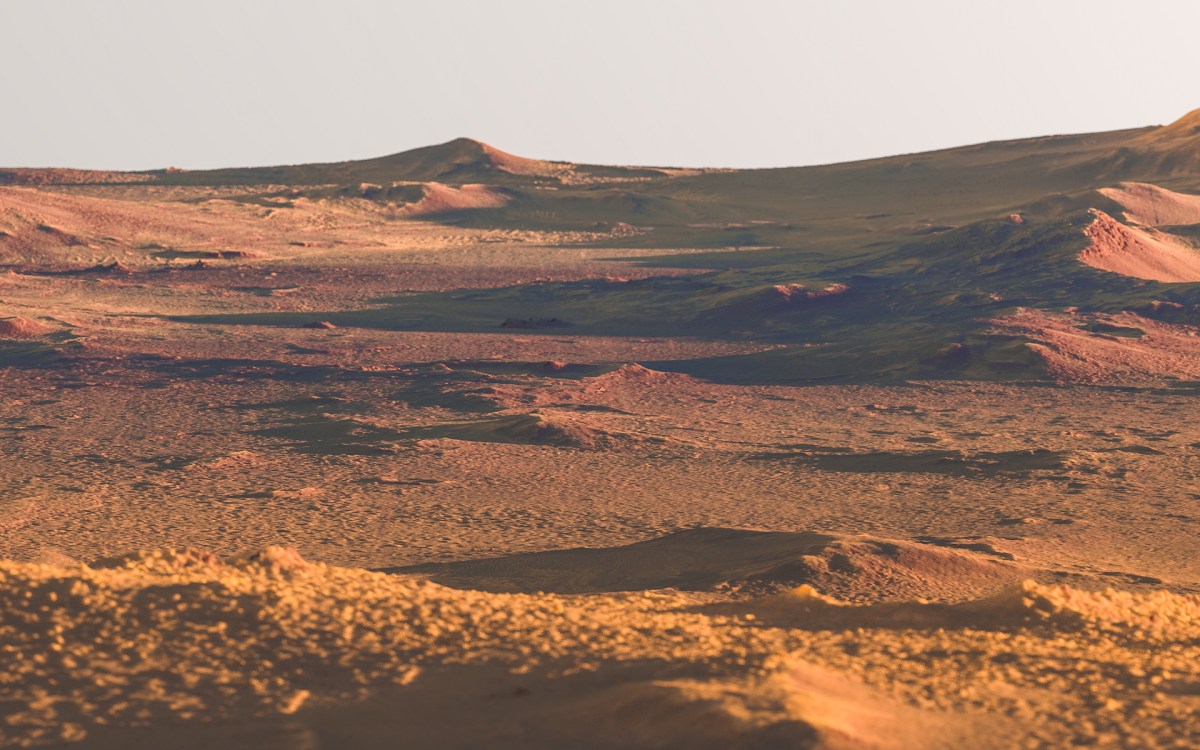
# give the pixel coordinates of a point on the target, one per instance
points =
(926, 252)
(457, 162)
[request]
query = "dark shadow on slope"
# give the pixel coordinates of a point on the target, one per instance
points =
(850, 567)
(326, 434)
(952, 462)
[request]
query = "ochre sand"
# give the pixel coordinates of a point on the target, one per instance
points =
(166, 637)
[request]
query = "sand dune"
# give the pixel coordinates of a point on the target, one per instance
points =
(851, 567)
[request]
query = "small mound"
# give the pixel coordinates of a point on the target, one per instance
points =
(22, 328)
(864, 568)
(1153, 206)
(1142, 254)
(441, 199)
(634, 373)
(1169, 311)
(798, 293)
(800, 706)
(271, 559)
(116, 268)
(850, 567)
(1157, 617)
(786, 298)
(172, 561)
(628, 381)
(535, 428)
(165, 561)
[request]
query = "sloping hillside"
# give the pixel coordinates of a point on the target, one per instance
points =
(925, 251)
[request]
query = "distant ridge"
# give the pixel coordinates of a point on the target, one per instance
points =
(928, 263)
(462, 159)
(1141, 154)
(458, 162)
(1187, 126)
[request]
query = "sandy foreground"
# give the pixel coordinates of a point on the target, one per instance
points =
(327, 656)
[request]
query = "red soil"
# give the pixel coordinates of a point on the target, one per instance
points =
(440, 199)
(1073, 354)
(1140, 253)
(21, 328)
(521, 165)
(1153, 206)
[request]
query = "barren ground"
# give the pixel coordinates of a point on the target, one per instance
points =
(564, 542)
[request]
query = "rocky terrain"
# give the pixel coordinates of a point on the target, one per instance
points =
(457, 448)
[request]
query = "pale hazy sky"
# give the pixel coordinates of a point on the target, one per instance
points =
(137, 84)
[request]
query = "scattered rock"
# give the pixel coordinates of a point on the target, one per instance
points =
(794, 293)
